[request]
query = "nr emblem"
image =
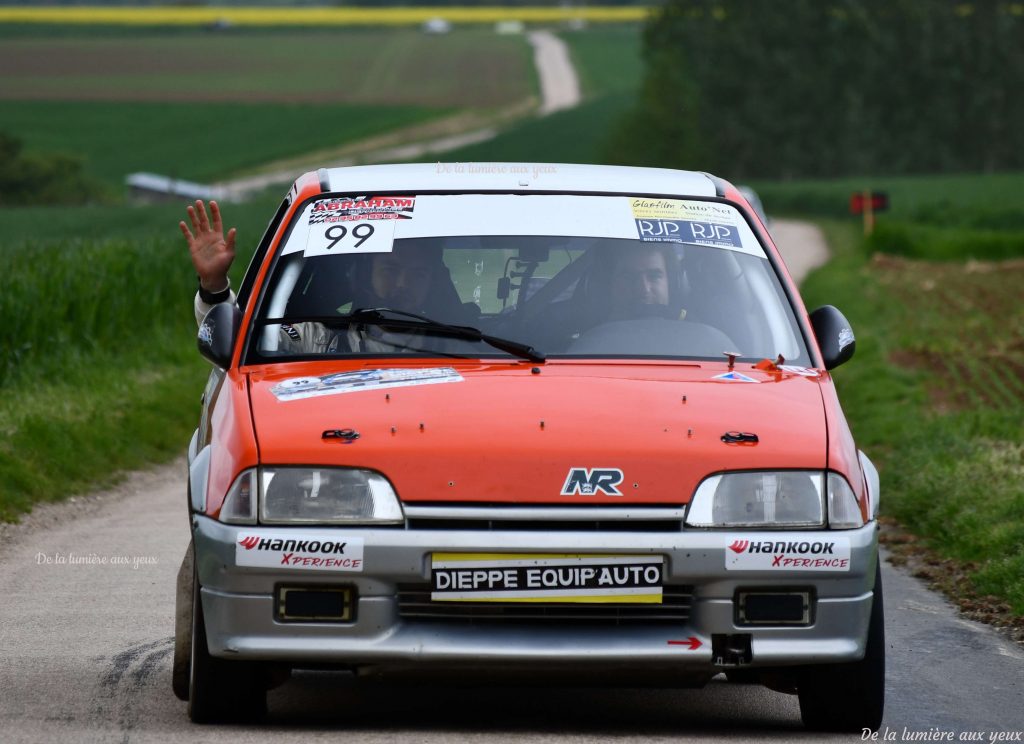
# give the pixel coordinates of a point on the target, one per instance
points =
(592, 481)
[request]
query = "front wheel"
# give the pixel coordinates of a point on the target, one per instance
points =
(183, 604)
(849, 697)
(221, 690)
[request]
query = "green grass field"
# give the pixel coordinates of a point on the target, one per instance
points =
(368, 66)
(204, 106)
(202, 142)
(608, 60)
(970, 199)
(609, 66)
(939, 217)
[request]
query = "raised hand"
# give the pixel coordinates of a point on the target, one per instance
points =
(212, 252)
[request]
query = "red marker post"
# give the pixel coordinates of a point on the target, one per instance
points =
(867, 203)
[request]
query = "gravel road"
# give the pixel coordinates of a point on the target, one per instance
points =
(86, 625)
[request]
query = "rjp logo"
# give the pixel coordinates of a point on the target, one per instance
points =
(666, 230)
(592, 481)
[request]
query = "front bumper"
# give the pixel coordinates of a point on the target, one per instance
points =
(239, 604)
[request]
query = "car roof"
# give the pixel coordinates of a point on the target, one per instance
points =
(518, 177)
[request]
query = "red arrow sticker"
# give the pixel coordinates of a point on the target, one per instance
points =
(692, 643)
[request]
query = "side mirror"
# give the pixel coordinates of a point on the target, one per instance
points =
(218, 332)
(835, 337)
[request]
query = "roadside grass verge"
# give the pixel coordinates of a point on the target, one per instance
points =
(937, 217)
(960, 199)
(935, 395)
(99, 370)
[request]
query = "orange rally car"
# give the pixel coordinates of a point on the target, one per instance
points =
(502, 419)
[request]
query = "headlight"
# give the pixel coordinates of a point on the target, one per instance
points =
(311, 495)
(326, 496)
(790, 498)
(785, 498)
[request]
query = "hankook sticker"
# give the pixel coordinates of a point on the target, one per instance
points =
(306, 550)
(755, 553)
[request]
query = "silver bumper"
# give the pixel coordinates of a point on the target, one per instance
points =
(238, 604)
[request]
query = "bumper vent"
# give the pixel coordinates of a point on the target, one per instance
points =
(544, 518)
(414, 603)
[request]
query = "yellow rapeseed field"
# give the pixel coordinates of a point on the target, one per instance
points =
(347, 16)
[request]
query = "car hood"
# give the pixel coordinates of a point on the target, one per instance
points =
(512, 433)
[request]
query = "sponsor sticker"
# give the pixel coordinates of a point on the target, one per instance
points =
(508, 577)
(297, 388)
(733, 377)
(307, 550)
(802, 371)
(362, 209)
(756, 553)
(362, 225)
(680, 221)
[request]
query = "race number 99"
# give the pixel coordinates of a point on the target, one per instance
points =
(359, 234)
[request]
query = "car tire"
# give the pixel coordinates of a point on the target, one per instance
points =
(183, 625)
(849, 697)
(220, 690)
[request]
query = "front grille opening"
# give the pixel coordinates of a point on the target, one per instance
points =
(789, 607)
(414, 603)
(315, 604)
(536, 525)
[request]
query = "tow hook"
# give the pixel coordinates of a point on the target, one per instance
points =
(731, 650)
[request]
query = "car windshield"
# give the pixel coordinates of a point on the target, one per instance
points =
(563, 276)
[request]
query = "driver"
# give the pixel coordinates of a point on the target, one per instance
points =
(409, 278)
(640, 282)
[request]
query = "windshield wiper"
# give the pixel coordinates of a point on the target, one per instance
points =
(385, 317)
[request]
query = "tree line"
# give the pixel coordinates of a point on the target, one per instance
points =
(807, 88)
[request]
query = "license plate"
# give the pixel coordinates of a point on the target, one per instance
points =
(512, 577)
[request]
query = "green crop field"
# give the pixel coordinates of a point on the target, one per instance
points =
(378, 67)
(607, 59)
(609, 66)
(204, 106)
(203, 142)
